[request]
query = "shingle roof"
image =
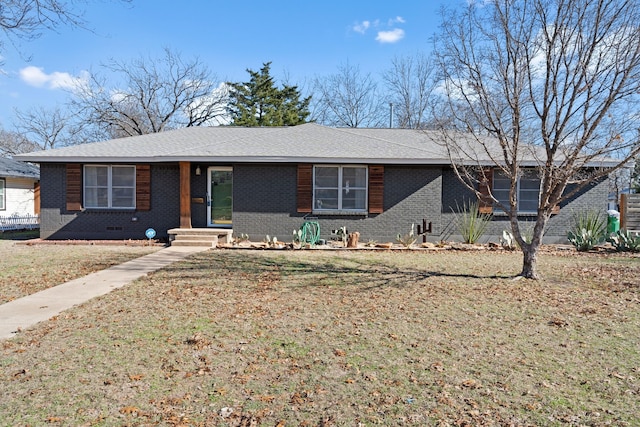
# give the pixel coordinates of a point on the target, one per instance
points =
(304, 143)
(10, 168)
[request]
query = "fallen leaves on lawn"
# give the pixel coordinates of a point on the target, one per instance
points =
(128, 410)
(470, 383)
(322, 339)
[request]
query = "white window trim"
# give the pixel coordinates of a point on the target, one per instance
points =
(518, 210)
(109, 187)
(340, 168)
(3, 198)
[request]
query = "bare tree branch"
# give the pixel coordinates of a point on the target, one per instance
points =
(411, 82)
(348, 99)
(556, 81)
(47, 129)
(26, 19)
(12, 143)
(157, 95)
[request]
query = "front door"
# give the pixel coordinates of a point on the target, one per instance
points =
(219, 196)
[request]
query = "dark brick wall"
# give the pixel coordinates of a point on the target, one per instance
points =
(264, 198)
(265, 203)
(57, 223)
(593, 196)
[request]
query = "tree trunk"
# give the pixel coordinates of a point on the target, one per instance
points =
(530, 249)
(530, 262)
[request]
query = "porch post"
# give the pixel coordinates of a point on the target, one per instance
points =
(185, 194)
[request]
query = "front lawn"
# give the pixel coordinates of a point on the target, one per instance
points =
(288, 338)
(26, 269)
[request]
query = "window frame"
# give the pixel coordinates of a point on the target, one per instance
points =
(110, 187)
(3, 196)
(340, 189)
(528, 175)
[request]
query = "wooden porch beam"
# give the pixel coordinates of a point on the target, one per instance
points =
(185, 194)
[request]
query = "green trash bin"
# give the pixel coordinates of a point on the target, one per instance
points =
(613, 221)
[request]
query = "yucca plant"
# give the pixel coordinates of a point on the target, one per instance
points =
(407, 240)
(471, 223)
(587, 230)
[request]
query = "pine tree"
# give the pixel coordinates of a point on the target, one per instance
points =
(259, 102)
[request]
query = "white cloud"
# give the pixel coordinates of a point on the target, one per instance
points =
(35, 76)
(361, 27)
(386, 33)
(392, 36)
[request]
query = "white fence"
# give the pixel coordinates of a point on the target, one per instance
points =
(19, 222)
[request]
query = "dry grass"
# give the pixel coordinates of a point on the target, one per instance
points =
(25, 269)
(243, 338)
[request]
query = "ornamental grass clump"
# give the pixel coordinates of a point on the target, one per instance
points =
(587, 230)
(471, 223)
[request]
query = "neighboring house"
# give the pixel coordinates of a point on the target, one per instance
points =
(19, 188)
(260, 181)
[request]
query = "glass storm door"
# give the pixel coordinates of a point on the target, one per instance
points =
(219, 196)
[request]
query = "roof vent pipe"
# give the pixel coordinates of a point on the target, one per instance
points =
(390, 115)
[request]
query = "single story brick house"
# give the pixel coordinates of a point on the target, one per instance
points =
(267, 181)
(19, 188)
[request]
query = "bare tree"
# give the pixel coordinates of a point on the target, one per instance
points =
(348, 99)
(26, 19)
(12, 143)
(411, 81)
(552, 80)
(46, 128)
(158, 95)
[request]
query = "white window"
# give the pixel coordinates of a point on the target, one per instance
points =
(3, 206)
(109, 186)
(340, 188)
(527, 190)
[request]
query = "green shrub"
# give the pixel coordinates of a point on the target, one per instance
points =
(587, 230)
(471, 223)
(625, 241)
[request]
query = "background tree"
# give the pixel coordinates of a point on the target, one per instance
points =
(156, 95)
(560, 74)
(47, 129)
(12, 143)
(259, 102)
(349, 98)
(411, 81)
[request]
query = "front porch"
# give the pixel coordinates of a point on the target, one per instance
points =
(209, 237)
(186, 235)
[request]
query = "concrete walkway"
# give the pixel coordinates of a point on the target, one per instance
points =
(25, 312)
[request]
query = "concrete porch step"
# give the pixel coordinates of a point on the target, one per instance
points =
(206, 237)
(195, 243)
(203, 237)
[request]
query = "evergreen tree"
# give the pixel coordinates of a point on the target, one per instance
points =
(259, 102)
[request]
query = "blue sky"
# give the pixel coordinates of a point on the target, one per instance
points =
(302, 39)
